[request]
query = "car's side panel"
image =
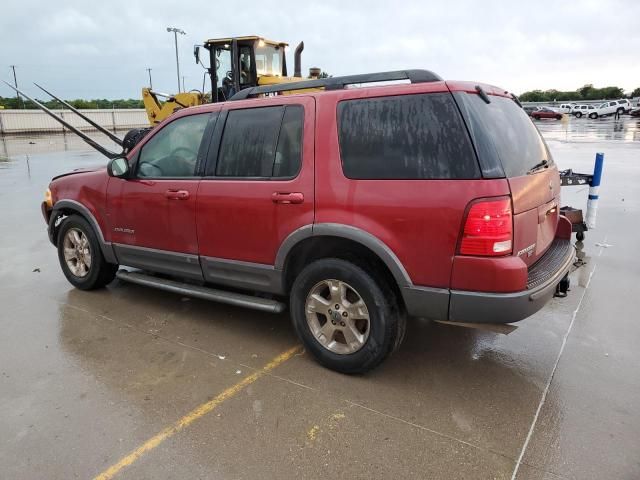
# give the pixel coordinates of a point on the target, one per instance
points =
(419, 220)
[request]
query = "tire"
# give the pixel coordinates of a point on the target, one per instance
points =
(385, 325)
(620, 111)
(593, 116)
(558, 117)
(580, 236)
(578, 114)
(98, 272)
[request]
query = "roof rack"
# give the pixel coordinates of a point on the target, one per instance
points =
(338, 83)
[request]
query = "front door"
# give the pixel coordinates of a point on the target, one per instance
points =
(153, 214)
(258, 188)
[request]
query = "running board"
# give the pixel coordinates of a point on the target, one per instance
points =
(204, 293)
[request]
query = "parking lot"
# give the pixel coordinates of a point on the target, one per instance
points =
(130, 382)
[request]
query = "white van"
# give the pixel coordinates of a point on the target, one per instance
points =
(583, 110)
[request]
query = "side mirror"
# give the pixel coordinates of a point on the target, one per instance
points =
(196, 53)
(118, 167)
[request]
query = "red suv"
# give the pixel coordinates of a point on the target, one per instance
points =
(357, 206)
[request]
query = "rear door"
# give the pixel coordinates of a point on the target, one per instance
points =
(258, 189)
(503, 130)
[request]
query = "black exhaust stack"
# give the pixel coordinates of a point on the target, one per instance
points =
(297, 62)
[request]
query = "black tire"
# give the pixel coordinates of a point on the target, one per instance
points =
(387, 321)
(593, 116)
(620, 111)
(558, 117)
(100, 273)
(578, 114)
(580, 236)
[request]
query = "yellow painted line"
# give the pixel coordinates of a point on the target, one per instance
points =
(194, 414)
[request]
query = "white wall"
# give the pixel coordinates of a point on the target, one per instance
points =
(29, 121)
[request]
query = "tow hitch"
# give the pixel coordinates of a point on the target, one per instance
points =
(563, 287)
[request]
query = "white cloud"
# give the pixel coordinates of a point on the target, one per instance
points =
(83, 49)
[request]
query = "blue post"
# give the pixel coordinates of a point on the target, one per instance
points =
(594, 187)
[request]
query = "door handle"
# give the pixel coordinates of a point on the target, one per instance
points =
(292, 197)
(177, 194)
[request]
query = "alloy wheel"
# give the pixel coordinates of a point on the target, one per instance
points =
(337, 316)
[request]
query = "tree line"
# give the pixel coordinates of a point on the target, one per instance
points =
(588, 92)
(14, 103)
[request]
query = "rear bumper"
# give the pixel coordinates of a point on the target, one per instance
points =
(483, 307)
(544, 276)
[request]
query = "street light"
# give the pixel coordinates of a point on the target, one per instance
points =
(176, 31)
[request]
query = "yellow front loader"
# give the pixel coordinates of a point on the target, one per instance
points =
(235, 63)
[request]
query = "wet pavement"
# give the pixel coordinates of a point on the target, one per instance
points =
(87, 378)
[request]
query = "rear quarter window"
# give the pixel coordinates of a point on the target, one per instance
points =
(502, 130)
(405, 137)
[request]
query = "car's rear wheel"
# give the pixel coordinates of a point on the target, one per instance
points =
(80, 256)
(620, 111)
(593, 115)
(558, 117)
(348, 319)
(578, 114)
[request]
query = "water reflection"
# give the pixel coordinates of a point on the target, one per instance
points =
(13, 145)
(571, 129)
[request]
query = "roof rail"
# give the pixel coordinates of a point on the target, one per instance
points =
(338, 83)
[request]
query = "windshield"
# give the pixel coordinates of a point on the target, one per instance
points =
(269, 60)
(503, 129)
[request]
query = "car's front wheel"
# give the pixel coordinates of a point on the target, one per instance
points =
(593, 115)
(80, 256)
(578, 114)
(348, 319)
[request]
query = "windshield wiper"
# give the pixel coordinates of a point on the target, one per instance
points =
(543, 164)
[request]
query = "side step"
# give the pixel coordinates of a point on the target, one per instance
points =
(205, 293)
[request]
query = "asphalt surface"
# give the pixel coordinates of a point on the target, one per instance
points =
(129, 382)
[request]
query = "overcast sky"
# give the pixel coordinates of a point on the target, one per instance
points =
(82, 49)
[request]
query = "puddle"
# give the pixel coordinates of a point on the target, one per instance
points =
(571, 129)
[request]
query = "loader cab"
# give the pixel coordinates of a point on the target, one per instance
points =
(242, 62)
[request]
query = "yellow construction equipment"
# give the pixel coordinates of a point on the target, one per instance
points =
(235, 63)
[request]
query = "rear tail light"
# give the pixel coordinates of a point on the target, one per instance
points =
(488, 228)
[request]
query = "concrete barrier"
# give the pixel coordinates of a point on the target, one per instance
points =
(36, 121)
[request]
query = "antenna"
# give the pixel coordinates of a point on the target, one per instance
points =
(107, 153)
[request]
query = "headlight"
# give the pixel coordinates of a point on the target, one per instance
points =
(47, 198)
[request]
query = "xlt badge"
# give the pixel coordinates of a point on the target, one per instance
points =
(529, 250)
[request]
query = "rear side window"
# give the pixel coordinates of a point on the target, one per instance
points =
(503, 129)
(405, 137)
(261, 142)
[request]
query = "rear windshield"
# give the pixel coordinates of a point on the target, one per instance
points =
(503, 129)
(417, 137)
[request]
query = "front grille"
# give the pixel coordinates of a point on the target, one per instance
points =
(548, 265)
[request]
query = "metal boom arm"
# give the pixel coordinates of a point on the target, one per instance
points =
(107, 153)
(81, 115)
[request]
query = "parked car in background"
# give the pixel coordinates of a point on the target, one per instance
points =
(530, 109)
(546, 112)
(564, 108)
(635, 112)
(582, 110)
(612, 107)
(241, 195)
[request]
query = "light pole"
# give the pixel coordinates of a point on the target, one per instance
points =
(176, 31)
(150, 82)
(15, 82)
